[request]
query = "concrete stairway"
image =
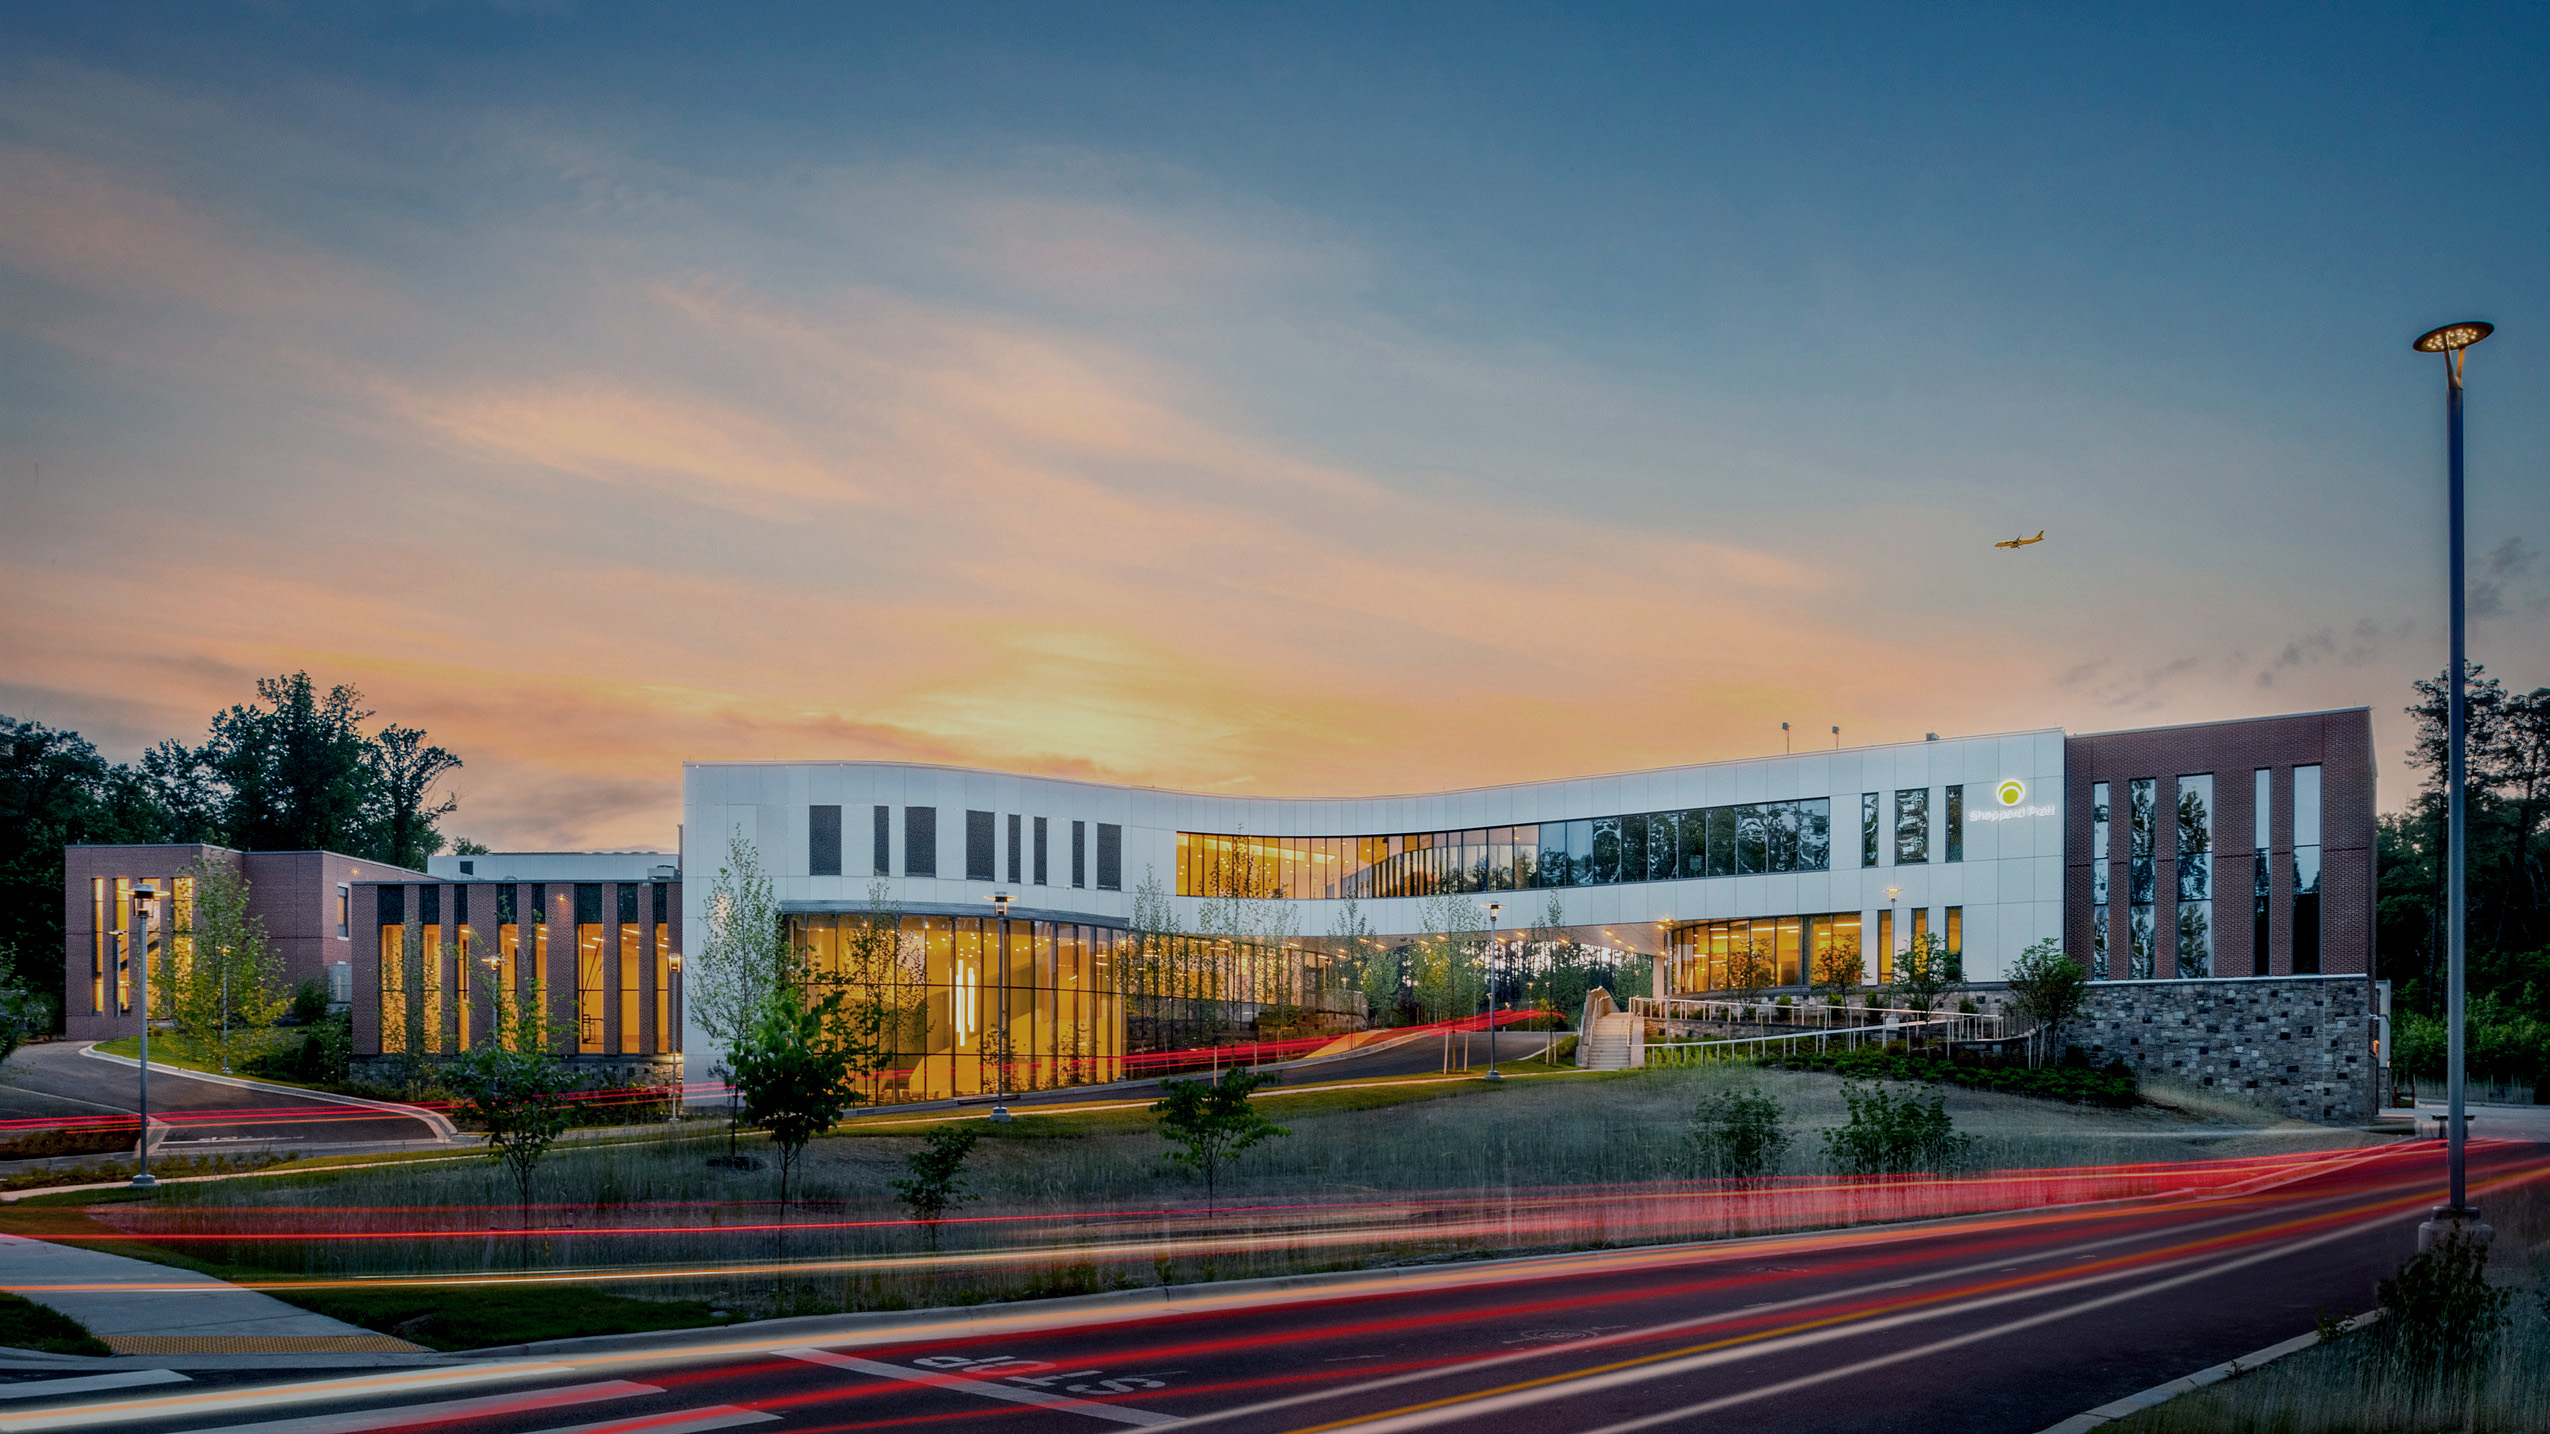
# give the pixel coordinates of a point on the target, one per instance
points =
(1610, 1045)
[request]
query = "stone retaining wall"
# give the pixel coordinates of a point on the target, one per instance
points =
(2299, 1044)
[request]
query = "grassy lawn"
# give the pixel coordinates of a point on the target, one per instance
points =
(168, 1048)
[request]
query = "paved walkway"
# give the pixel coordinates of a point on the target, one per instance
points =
(141, 1308)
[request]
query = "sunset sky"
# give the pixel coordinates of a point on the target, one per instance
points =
(1285, 399)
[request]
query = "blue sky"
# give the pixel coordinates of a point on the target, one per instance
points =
(1290, 399)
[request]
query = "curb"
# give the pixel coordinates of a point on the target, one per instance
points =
(2159, 1394)
(439, 1124)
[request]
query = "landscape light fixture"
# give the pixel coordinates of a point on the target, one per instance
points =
(1494, 953)
(2457, 1215)
(137, 951)
(1000, 1067)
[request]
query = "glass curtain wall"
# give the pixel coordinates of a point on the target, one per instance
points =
(1703, 956)
(1743, 840)
(2195, 876)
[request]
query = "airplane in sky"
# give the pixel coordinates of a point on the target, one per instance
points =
(2023, 542)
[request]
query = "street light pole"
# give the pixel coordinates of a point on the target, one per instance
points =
(138, 944)
(1496, 955)
(1000, 1067)
(2458, 1215)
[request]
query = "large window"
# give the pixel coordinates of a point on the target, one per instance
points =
(2195, 876)
(1762, 951)
(1912, 826)
(2099, 855)
(2260, 873)
(978, 846)
(823, 841)
(1956, 842)
(2306, 871)
(589, 970)
(920, 841)
(632, 976)
(1110, 857)
(1868, 829)
(1744, 840)
(662, 971)
(2142, 880)
(390, 910)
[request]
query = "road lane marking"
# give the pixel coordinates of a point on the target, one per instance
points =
(679, 1421)
(364, 1386)
(82, 1384)
(1116, 1413)
(1672, 1363)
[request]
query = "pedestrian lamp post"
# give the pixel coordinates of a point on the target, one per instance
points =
(2457, 1215)
(138, 951)
(1496, 955)
(1000, 1044)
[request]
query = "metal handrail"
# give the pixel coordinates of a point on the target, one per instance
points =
(1851, 1036)
(1963, 1025)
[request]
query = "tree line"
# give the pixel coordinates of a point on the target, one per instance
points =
(295, 769)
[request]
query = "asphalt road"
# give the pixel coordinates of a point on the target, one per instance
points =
(200, 1117)
(1997, 1325)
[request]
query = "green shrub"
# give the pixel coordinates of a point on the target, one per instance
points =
(2441, 1314)
(1894, 1135)
(1736, 1135)
(2115, 1086)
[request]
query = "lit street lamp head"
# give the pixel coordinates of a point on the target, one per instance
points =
(2453, 336)
(1000, 903)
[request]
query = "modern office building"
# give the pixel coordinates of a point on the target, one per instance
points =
(2197, 852)
(598, 935)
(304, 898)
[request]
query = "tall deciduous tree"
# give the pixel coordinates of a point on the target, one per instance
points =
(293, 767)
(400, 813)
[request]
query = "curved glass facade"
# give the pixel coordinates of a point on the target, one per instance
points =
(1743, 840)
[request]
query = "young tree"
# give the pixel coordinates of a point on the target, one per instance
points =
(745, 960)
(1922, 973)
(513, 1086)
(1736, 1135)
(1750, 971)
(796, 1070)
(1894, 1135)
(2048, 988)
(1210, 1122)
(225, 984)
(880, 984)
(1838, 969)
(1450, 982)
(938, 1179)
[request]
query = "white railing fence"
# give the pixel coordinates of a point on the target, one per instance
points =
(1816, 1015)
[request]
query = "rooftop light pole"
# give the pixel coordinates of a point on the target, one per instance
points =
(1000, 1067)
(138, 950)
(1495, 959)
(2458, 1215)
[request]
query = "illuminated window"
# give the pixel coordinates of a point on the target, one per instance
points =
(662, 972)
(390, 911)
(632, 979)
(591, 979)
(98, 938)
(426, 991)
(344, 911)
(1955, 937)
(1886, 947)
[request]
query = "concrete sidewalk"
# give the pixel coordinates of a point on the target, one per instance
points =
(138, 1308)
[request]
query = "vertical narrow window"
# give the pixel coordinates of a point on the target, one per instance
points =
(823, 841)
(2306, 871)
(978, 846)
(463, 953)
(1079, 853)
(1606, 850)
(1040, 851)
(426, 993)
(880, 846)
(1110, 857)
(543, 1002)
(632, 978)
(1886, 946)
(1912, 826)
(2195, 876)
(920, 841)
(2142, 880)
(390, 911)
(1956, 824)
(1694, 859)
(1815, 834)
(2099, 854)
(589, 971)
(2260, 873)
(661, 973)
(344, 911)
(508, 956)
(1779, 834)
(97, 946)
(1955, 939)
(1868, 829)
(1013, 849)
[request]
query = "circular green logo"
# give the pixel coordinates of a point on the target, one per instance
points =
(2012, 792)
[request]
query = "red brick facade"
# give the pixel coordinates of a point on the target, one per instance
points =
(2339, 743)
(296, 894)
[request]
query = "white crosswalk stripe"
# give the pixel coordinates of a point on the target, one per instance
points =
(1014, 1394)
(441, 1411)
(680, 1421)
